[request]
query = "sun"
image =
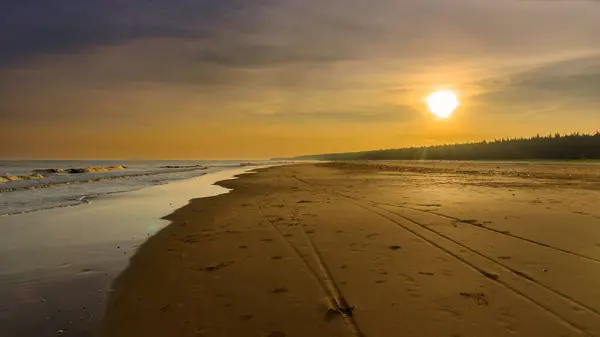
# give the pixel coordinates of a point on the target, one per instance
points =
(442, 103)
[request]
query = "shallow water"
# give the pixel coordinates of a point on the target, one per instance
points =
(58, 264)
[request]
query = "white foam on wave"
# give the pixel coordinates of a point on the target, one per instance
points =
(61, 190)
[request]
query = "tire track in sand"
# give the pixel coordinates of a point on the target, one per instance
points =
(516, 272)
(462, 221)
(483, 227)
(337, 303)
(523, 285)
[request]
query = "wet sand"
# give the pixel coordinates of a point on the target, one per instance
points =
(365, 250)
(57, 265)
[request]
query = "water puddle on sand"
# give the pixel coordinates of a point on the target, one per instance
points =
(58, 264)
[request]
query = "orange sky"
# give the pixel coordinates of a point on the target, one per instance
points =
(226, 79)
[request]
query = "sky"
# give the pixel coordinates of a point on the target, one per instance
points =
(217, 79)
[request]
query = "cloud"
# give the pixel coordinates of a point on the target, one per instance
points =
(265, 55)
(369, 114)
(37, 27)
(550, 87)
(102, 64)
(241, 33)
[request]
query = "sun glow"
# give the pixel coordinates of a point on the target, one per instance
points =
(442, 103)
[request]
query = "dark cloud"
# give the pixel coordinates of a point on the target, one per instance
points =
(67, 39)
(35, 27)
(579, 78)
(253, 33)
(265, 55)
(574, 82)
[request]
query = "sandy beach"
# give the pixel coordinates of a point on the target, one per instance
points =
(503, 249)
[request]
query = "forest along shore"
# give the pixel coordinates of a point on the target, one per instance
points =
(349, 250)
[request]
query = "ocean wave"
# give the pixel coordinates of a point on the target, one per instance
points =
(48, 171)
(38, 174)
(7, 178)
(96, 169)
(90, 180)
(91, 169)
(184, 166)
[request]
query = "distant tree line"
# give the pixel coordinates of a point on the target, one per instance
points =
(557, 146)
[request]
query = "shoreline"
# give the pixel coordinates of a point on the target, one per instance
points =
(78, 251)
(60, 190)
(320, 250)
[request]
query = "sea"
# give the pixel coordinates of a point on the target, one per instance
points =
(42, 185)
(69, 228)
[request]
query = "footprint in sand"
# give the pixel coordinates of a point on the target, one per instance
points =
(489, 275)
(246, 317)
(478, 298)
(473, 222)
(190, 239)
(217, 267)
